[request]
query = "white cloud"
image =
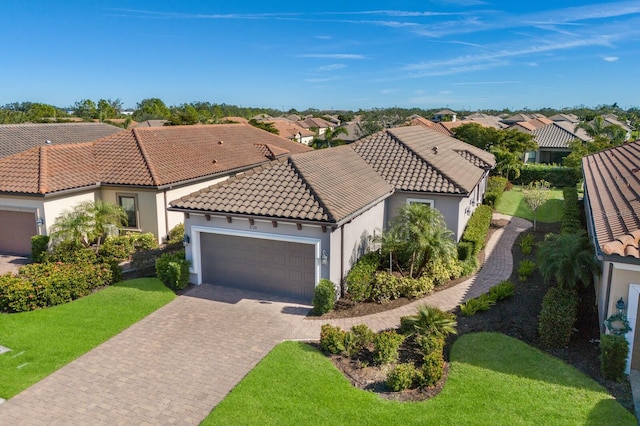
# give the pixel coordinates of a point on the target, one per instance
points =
(610, 58)
(332, 67)
(331, 56)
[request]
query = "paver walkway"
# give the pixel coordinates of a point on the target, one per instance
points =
(10, 263)
(177, 364)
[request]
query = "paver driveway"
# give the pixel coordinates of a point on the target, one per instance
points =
(172, 367)
(11, 263)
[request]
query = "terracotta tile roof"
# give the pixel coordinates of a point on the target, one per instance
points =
(289, 130)
(324, 186)
(416, 158)
(231, 120)
(612, 180)
(146, 156)
(440, 128)
(16, 138)
(580, 133)
(421, 121)
(319, 123)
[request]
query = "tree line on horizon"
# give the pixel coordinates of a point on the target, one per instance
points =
(207, 112)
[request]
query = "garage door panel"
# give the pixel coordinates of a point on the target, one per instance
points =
(265, 265)
(16, 230)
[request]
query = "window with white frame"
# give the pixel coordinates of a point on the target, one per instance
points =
(427, 201)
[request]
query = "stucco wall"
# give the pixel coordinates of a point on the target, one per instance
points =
(357, 235)
(260, 228)
(147, 206)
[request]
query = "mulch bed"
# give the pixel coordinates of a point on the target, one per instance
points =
(516, 317)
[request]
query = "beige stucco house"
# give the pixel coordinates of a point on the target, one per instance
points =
(283, 226)
(612, 205)
(141, 169)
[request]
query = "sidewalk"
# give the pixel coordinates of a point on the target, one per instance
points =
(497, 266)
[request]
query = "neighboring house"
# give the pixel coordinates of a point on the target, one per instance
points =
(612, 206)
(553, 139)
(354, 132)
(316, 124)
(290, 130)
(486, 120)
(15, 138)
(444, 115)
(152, 123)
(141, 169)
(282, 227)
(571, 118)
(612, 120)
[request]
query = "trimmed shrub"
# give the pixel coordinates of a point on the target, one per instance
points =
(358, 338)
(385, 287)
(39, 285)
(386, 346)
(429, 344)
(526, 244)
(478, 227)
(558, 314)
(70, 252)
(496, 186)
(557, 176)
(144, 241)
(173, 270)
(415, 288)
(361, 276)
(324, 297)
(176, 234)
(613, 356)
(332, 339)
(402, 377)
(432, 369)
(571, 215)
(502, 290)
(39, 244)
(525, 269)
(465, 251)
(442, 269)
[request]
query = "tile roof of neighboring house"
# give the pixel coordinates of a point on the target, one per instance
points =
(421, 121)
(485, 120)
(318, 123)
(152, 123)
(612, 119)
(553, 136)
(416, 158)
(231, 120)
(517, 118)
(445, 112)
(612, 179)
(354, 132)
(571, 118)
(438, 127)
(16, 138)
(143, 156)
(289, 130)
(579, 132)
(324, 186)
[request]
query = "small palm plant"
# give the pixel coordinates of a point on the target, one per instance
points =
(429, 321)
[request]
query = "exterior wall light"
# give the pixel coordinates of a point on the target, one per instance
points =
(186, 240)
(324, 259)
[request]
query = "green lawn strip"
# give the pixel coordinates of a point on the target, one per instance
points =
(494, 379)
(512, 203)
(44, 340)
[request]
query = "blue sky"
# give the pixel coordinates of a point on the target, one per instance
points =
(465, 54)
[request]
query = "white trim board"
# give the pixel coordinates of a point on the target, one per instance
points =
(632, 315)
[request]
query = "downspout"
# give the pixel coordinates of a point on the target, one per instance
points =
(606, 305)
(342, 260)
(166, 213)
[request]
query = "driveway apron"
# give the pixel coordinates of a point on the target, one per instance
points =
(172, 367)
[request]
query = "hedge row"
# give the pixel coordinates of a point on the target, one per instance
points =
(557, 176)
(474, 235)
(571, 214)
(39, 285)
(495, 188)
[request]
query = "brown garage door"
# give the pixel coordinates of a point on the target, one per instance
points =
(269, 266)
(16, 230)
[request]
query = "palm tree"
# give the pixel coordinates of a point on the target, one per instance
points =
(330, 138)
(419, 235)
(430, 321)
(87, 222)
(568, 258)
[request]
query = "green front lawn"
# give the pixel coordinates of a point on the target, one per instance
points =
(512, 203)
(494, 379)
(44, 340)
